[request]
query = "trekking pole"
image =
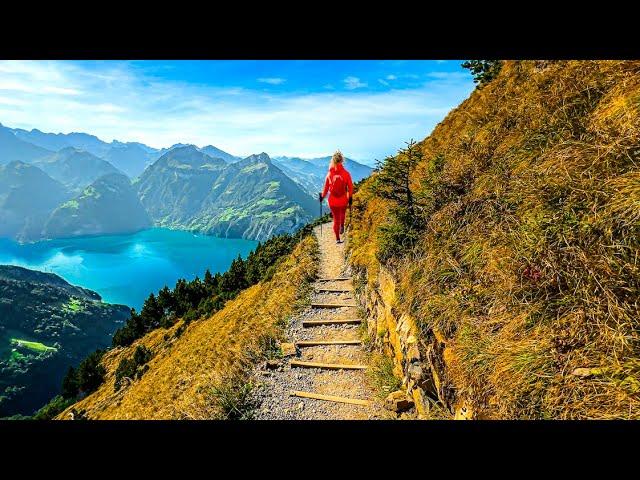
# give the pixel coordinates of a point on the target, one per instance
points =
(320, 197)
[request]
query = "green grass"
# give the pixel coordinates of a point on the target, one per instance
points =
(16, 356)
(35, 346)
(382, 376)
(74, 305)
(72, 204)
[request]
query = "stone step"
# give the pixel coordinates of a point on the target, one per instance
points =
(314, 343)
(327, 366)
(333, 305)
(328, 398)
(335, 279)
(313, 323)
(333, 290)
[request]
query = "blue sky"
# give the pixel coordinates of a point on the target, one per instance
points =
(302, 108)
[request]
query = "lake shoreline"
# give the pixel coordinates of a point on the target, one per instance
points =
(125, 268)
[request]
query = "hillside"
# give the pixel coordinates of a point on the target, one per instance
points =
(75, 169)
(108, 205)
(22, 212)
(13, 149)
(46, 325)
(510, 288)
(200, 370)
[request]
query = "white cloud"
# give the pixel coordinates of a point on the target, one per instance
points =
(116, 101)
(352, 83)
(391, 77)
(272, 80)
(383, 82)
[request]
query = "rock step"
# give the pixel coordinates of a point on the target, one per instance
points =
(312, 323)
(329, 398)
(333, 290)
(313, 343)
(328, 366)
(336, 279)
(332, 305)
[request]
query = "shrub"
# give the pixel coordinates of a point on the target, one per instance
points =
(234, 400)
(134, 367)
(52, 409)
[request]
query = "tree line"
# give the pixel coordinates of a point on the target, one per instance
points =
(188, 300)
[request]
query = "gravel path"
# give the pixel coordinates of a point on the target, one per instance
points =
(271, 394)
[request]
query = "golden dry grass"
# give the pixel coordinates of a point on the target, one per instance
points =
(530, 266)
(213, 352)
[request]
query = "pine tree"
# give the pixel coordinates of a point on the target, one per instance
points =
(393, 180)
(70, 384)
(91, 373)
(483, 71)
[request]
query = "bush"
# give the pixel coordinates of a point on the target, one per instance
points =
(134, 367)
(234, 399)
(52, 409)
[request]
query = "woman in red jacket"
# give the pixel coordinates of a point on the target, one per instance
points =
(339, 186)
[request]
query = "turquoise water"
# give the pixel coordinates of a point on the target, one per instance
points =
(126, 268)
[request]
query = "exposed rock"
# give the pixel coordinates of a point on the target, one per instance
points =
(415, 372)
(464, 412)
(421, 402)
(273, 364)
(288, 349)
(398, 402)
(413, 353)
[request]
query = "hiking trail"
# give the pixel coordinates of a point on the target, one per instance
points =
(328, 360)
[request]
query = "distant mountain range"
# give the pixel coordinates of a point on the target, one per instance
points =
(63, 185)
(310, 173)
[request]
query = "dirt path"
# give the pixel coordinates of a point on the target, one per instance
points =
(273, 386)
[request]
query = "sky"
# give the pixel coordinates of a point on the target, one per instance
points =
(305, 108)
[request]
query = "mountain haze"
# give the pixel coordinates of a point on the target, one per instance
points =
(27, 198)
(74, 168)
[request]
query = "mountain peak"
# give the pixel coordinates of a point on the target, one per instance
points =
(259, 157)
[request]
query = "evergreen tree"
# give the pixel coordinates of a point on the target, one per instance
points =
(70, 387)
(151, 313)
(91, 372)
(235, 278)
(393, 179)
(393, 182)
(483, 71)
(166, 300)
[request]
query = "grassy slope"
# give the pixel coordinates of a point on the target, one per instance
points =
(210, 353)
(528, 268)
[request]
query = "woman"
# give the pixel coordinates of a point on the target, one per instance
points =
(339, 186)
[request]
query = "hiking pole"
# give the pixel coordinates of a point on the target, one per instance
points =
(320, 197)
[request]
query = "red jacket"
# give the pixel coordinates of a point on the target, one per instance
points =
(343, 200)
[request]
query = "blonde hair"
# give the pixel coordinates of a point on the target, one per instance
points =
(337, 158)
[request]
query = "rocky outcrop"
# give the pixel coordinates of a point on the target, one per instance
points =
(419, 362)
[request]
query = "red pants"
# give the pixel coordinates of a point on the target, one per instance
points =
(338, 219)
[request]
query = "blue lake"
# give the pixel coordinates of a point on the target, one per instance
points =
(126, 268)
